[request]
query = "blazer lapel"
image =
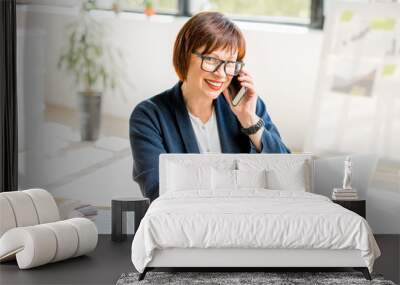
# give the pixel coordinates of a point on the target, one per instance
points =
(184, 124)
(227, 124)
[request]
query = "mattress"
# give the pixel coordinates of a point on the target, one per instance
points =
(251, 219)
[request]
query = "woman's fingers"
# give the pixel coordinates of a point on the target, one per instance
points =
(249, 85)
(244, 75)
(244, 71)
(245, 78)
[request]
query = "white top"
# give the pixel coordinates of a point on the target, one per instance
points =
(206, 134)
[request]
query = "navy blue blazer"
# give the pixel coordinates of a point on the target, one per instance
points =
(161, 124)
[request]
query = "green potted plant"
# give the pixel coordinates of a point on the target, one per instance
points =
(92, 60)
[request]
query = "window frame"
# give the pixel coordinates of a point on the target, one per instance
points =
(316, 15)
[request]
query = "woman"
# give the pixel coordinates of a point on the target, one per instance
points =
(196, 115)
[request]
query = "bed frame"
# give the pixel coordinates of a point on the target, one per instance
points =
(241, 259)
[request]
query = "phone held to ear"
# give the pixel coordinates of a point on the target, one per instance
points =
(236, 91)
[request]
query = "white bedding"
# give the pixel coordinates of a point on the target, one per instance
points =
(251, 218)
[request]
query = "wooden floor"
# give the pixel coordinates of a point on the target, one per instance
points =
(110, 260)
(102, 266)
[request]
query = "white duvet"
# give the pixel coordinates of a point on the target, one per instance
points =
(253, 218)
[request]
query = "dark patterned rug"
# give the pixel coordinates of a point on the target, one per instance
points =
(243, 278)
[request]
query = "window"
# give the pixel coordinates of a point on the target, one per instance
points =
(295, 12)
(160, 6)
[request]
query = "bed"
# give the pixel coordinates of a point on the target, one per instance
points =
(246, 210)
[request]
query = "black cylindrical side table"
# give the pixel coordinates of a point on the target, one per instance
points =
(119, 207)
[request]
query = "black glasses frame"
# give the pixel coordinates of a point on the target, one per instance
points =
(224, 62)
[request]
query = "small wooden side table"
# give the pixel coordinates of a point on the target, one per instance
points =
(119, 207)
(357, 206)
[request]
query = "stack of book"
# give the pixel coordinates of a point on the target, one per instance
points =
(344, 194)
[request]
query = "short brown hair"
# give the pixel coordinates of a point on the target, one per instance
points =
(210, 29)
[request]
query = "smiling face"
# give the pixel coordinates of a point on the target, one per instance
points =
(209, 84)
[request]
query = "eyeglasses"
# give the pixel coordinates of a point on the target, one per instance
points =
(211, 64)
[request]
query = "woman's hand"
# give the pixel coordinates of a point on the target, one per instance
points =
(246, 110)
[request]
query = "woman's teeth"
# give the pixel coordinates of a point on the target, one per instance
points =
(214, 85)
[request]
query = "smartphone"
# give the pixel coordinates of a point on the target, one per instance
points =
(236, 91)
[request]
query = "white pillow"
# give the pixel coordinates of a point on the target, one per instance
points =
(182, 177)
(224, 179)
(282, 174)
(287, 179)
(251, 178)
